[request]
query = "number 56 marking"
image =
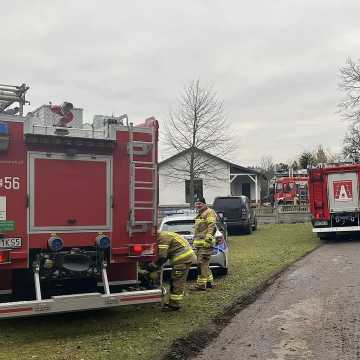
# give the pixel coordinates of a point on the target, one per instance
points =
(11, 183)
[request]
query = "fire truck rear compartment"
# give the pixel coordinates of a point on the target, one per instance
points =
(65, 186)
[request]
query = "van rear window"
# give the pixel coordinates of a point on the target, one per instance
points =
(222, 204)
(185, 227)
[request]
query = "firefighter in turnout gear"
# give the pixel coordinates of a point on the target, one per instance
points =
(205, 228)
(175, 248)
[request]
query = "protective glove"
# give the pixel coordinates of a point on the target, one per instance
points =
(154, 276)
(151, 267)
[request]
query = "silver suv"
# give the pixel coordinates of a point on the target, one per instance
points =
(184, 224)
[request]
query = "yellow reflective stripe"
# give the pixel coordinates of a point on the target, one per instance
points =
(176, 297)
(210, 278)
(201, 280)
(202, 244)
(181, 241)
(199, 242)
(183, 255)
(160, 246)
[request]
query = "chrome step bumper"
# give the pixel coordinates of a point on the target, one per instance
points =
(78, 302)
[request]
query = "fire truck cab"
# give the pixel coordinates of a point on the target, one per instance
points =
(78, 212)
(334, 199)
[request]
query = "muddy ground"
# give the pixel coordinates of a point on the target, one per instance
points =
(312, 311)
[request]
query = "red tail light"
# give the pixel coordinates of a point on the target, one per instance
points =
(142, 250)
(317, 216)
(137, 249)
(4, 257)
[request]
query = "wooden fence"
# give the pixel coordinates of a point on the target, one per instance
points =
(285, 214)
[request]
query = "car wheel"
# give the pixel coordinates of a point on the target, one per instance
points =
(255, 224)
(249, 228)
(223, 271)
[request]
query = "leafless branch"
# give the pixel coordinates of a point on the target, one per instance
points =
(198, 125)
(350, 84)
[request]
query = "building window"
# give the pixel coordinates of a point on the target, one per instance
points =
(198, 190)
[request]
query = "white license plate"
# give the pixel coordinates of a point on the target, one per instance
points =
(10, 243)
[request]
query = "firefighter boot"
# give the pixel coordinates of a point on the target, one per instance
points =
(210, 281)
(179, 275)
(170, 307)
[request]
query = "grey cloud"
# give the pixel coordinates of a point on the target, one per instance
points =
(275, 63)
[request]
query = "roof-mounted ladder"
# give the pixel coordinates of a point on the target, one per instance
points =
(142, 148)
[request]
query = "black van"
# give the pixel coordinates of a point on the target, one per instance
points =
(236, 212)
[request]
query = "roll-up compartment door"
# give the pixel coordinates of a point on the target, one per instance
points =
(70, 193)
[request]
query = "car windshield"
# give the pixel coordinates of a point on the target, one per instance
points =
(222, 204)
(184, 227)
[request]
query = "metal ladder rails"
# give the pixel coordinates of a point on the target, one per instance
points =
(142, 148)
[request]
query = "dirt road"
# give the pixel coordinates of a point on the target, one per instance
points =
(311, 312)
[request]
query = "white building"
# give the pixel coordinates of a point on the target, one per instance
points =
(226, 178)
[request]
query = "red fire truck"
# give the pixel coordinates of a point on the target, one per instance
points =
(334, 199)
(78, 212)
(287, 188)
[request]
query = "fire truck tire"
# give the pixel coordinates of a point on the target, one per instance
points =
(23, 285)
(326, 236)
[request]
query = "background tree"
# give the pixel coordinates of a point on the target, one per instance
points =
(351, 148)
(267, 167)
(320, 155)
(282, 169)
(306, 159)
(198, 124)
(350, 84)
(295, 165)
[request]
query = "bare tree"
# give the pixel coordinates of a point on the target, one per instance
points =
(198, 125)
(350, 84)
(267, 167)
(351, 148)
(320, 155)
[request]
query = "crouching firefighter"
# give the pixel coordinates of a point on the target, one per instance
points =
(205, 228)
(175, 248)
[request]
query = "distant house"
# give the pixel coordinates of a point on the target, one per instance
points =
(225, 178)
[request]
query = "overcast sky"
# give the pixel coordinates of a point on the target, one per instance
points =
(274, 63)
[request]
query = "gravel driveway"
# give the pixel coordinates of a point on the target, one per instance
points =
(311, 312)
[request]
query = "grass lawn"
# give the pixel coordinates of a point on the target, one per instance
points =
(143, 332)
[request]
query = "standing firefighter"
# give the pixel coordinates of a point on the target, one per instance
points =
(205, 228)
(175, 248)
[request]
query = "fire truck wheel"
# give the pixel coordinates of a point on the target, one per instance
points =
(326, 236)
(23, 285)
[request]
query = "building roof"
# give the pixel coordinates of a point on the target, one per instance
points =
(235, 168)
